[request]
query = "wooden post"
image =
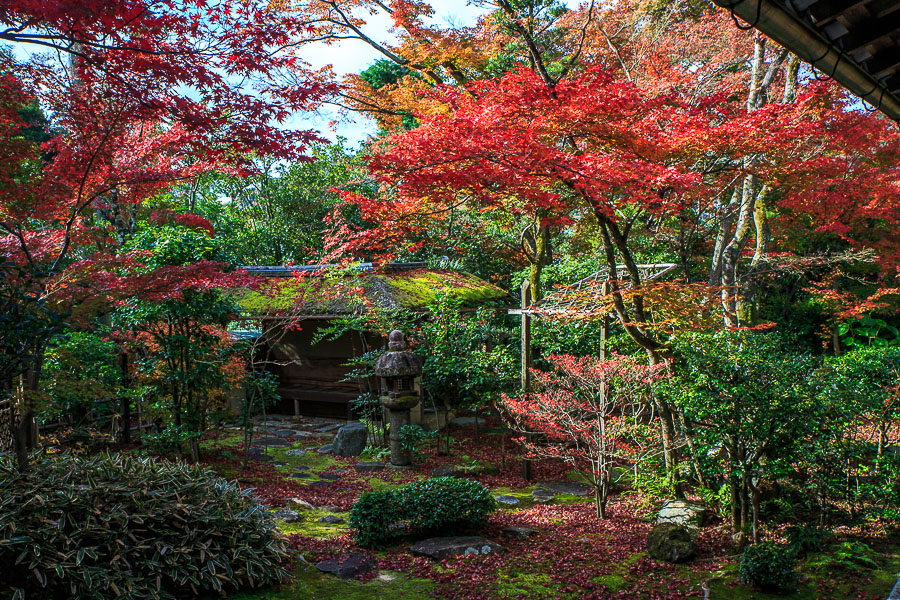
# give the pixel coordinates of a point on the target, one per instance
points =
(526, 361)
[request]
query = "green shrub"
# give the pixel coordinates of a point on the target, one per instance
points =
(769, 566)
(372, 516)
(446, 502)
(439, 504)
(113, 526)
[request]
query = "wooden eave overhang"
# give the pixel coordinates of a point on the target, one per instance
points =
(855, 42)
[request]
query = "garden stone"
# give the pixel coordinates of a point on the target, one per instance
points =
(349, 565)
(465, 471)
(299, 503)
(330, 508)
(326, 449)
(279, 464)
(255, 450)
(671, 543)
(508, 500)
(330, 519)
(441, 548)
(568, 487)
(271, 441)
(299, 475)
(260, 457)
(295, 452)
(319, 483)
(683, 512)
(542, 495)
(288, 516)
(365, 467)
(285, 432)
(464, 421)
(330, 476)
(329, 427)
(519, 533)
(351, 439)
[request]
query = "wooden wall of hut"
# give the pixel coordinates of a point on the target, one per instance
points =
(310, 374)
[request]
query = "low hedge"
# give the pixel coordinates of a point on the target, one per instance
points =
(440, 504)
(112, 526)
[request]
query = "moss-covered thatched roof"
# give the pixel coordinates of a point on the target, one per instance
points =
(341, 293)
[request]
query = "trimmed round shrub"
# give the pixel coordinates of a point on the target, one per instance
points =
(769, 566)
(113, 526)
(440, 504)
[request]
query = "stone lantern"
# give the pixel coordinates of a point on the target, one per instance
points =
(397, 369)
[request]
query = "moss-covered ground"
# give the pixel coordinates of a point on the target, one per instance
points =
(573, 556)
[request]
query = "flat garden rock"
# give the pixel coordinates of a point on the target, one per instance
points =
(288, 516)
(279, 464)
(330, 519)
(330, 476)
(683, 512)
(319, 483)
(255, 450)
(285, 432)
(326, 449)
(542, 494)
(329, 427)
(260, 457)
(365, 467)
(295, 452)
(519, 533)
(440, 548)
(330, 508)
(299, 475)
(349, 565)
(568, 487)
(271, 441)
(508, 500)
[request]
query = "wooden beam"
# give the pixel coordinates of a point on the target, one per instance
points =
(884, 61)
(864, 33)
(824, 11)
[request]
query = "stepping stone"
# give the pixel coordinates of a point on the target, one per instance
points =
(519, 533)
(542, 495)
(331, 508)
(301, 468)
(349, 565)
(299, 503)
(330, 476)
(441, 548)
(319, 483)
(260, 457)
(288, 516)
(329, 427)
(326, 449)
(275, 424)
(300, 475)
(295, 452)
(508, 500)
(365, 467)
(279, 464)
(568, 487)
(330, 519)
(254, 450)
(285, 432)
(271, 441)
